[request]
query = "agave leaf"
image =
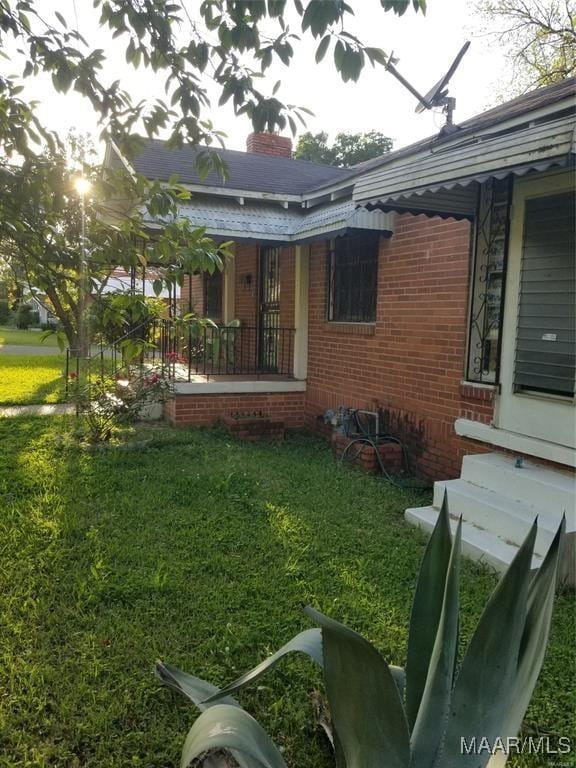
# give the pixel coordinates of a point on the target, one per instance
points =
(196, 690)
(435, 703)
(535, 638)
(193, 688)
(308, 642)
(484, 688)
(426, 611)
(364, 701)
(231, 728)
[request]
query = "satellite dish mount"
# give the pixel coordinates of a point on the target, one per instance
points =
(437, 96)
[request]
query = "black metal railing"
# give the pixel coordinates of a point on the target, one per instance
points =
(188, 348)
(182, 349)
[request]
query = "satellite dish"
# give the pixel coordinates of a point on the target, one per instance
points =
(436, 96)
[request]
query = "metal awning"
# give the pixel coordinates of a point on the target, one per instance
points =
(269, 222)
(443, 179)
(456, 199)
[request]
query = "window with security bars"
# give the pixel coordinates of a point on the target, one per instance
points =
(491, 242)
(352, 274)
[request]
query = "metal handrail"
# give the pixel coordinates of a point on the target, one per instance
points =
(187, 348)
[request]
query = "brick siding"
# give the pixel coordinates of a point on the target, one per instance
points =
(204, 410)
(410, 362)
(192, 294)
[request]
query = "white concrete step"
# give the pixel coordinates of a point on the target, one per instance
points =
(510, 520)
(477, 543)
(541, 487)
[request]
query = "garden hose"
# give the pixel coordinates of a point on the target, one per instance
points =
(374, 440)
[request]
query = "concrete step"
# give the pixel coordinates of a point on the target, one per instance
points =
(477, 543)
(508, 519)
(549, 490)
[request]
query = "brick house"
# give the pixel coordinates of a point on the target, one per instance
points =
(434, 285)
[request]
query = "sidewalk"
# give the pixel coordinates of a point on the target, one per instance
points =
(28, 349)
(55, 409)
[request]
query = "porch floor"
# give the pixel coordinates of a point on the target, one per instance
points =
(179, 373)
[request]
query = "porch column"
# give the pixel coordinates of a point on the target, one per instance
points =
(301, 311)
(229, 288)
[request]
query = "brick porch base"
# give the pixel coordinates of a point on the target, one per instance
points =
(201, 410)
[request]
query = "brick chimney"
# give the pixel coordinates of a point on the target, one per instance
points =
(269, 144)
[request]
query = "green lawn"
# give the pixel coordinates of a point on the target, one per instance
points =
(27, 379)
(27, 338)
(198, 550)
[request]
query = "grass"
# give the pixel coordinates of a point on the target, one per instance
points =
(28, 379)
(25, 338)
(198, 550)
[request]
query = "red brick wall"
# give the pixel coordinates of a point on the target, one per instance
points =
(287, 300)
(246, 294)
(410, 363)
(194, 284)
(203, 410)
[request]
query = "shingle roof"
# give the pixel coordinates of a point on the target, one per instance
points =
(283, 175)
(541, 97)
(250, 172)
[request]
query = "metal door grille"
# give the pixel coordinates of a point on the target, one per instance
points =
(269, 310)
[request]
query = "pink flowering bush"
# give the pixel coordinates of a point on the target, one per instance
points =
(106, 403)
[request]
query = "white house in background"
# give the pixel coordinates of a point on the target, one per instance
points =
(122, 282)
(45, 315)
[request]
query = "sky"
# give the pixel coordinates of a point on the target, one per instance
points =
(424, 45)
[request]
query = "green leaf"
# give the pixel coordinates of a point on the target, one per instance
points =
(362, 692)
(426, 611)
(198, 691)
(226, 727)
(339, 52)
(376, 55)
(435, 704)
(535, 637)
(482, 694)
(322, 48)
(308, 642)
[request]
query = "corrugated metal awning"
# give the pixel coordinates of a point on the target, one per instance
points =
(454, 199)
(443, 179)
(270, 223)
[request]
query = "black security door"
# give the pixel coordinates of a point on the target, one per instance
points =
(269, 309)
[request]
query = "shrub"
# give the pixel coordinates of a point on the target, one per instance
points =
(106, 403)
(123, 316)
(25, 317)
(5, 314)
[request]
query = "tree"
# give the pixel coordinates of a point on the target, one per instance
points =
(230, 42)
(66, 245)
(540, 37)
(348, 148)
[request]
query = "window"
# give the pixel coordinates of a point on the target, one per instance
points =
(352, 274)
(545, 335)
(213, 295)
(491, 243)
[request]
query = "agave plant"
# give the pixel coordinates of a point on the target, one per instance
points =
(385, 717)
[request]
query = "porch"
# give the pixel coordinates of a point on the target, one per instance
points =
(229, 372)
